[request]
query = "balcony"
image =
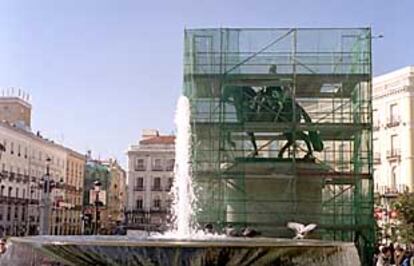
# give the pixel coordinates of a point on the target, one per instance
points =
(377, 158)
(11, 176)
(157, 168)
(139, 188)
(376, 125)
(392, 191)
(139, 168)
(158, 210)
(4, 174)
(19, 177)
(156, 188)
(26, 179)
(393, 121)
(394, 155)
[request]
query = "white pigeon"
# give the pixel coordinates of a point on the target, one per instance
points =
(300, 229)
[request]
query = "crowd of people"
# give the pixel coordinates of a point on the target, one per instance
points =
(391, 255)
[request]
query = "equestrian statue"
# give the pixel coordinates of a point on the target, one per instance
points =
(272, 104)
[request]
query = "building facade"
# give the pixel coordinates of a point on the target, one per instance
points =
(71, 204)
(150, 178)
(393, 125)
(393, 135)
(25, 162)
(109, 202)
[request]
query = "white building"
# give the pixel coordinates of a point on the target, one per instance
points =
(150, 178)
(393, 137)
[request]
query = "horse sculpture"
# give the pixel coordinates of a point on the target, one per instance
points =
(272, 104)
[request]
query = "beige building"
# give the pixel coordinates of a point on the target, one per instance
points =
(150, 178)
(71, 204)
(24, 165)
(393, 136)
(116, 197)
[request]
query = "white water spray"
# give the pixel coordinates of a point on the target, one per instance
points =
(183, 189)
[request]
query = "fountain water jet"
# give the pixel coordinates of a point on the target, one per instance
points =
(183, 189)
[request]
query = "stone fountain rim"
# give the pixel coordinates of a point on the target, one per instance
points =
(169, 242)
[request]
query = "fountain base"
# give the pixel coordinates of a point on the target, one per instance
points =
(118, 250)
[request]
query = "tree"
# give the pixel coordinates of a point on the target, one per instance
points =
(404, 205)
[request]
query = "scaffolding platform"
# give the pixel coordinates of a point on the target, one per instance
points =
(327, 131)
(310, 84)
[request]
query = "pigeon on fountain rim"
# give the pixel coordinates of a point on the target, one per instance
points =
(300, 229)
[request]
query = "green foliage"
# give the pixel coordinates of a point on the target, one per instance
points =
(404, 205)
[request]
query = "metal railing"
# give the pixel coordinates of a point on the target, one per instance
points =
(394, 154)
(393, 121)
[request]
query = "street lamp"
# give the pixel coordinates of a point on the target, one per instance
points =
(48, 185)
(97, 185)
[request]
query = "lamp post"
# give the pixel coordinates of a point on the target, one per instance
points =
(47, 184)
(97, 185)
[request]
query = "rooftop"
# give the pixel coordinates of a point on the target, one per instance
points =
(158, 140)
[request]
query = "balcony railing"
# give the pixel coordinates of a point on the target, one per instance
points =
(139, 168)
(158, 210)
(376, 125)
(393, 121)
(392, 191)
(4, 174)
(394, 154)
(157, 168)
(139, 188)
(377, 158)
(11, 176)
(156, 188)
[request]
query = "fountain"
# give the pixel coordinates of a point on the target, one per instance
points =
(185, 244)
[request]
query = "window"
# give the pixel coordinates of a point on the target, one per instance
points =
(139, 204)
(11, 148)
(17, 192)
(1, 212)
(140, 165)
(157, 165)
(157, 203)
(139, 183)
(394, 118)
(375, 119)
(8, 213)
(157, 184)
(170, 164)
(170, 182)
(393, 181)
(394, 145)
(18, 150)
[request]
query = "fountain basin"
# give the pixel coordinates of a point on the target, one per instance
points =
(116, 250)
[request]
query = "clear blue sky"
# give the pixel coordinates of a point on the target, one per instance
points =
(99, 71)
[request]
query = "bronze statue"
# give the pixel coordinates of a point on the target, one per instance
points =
(272, 104)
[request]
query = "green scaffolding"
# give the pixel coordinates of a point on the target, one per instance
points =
(275, 85)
